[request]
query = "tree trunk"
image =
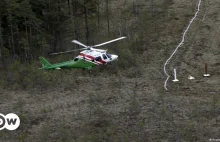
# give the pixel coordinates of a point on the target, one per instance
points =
(12, 40)
(74, 10)
(12, 35)
(98, 13)
(136, 8)
(68, 1)
(30, 41)
(74, 5)
(18, 45)
(107, 15)
(86, 20)
(1, 40)
(27, 54)
(9, 17)
(1, 46)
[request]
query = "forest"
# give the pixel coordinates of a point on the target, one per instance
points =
(123, 101)
(30, 29)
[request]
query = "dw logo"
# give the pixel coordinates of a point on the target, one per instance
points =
(11, 121)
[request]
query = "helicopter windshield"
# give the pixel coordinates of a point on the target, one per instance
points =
(108, 55)
(104, 56)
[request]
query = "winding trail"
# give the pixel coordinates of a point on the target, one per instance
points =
(181, 43)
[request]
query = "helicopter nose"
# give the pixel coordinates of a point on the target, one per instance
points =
(114, 57)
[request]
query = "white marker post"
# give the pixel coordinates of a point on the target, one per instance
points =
(175, 78)
(206, 71)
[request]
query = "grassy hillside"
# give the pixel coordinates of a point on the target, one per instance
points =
(126, 101)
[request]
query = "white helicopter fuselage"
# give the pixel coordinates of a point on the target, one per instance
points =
(98, 56)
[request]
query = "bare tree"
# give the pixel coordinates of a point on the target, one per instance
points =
(1, 40)
(107, 15)
(86, 20)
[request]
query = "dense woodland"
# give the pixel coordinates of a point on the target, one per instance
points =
(33, 28)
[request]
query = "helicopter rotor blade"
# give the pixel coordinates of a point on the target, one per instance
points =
(79, 43)
(67, 51)
(88, 47)
(109, 42)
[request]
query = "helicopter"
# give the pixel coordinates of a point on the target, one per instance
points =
(89, 58)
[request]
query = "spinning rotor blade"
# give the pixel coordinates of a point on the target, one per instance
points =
(89, 47)
(79, 43)
(109, 42)
(67, 51)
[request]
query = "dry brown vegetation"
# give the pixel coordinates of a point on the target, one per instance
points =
(126, 101)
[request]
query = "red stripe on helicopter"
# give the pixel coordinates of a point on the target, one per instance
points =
(92, 61)
(92, 58)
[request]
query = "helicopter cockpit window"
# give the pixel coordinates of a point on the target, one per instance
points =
(104, 56)
(108, 55)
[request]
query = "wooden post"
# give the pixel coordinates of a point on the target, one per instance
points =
(206, 71)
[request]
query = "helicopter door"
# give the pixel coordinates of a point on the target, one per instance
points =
(98, 58)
